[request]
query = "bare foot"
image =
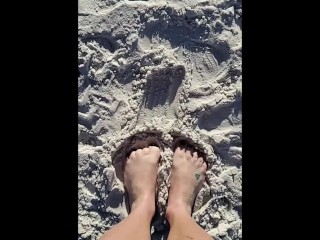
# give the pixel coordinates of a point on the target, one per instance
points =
(140, 174)
(187, 177)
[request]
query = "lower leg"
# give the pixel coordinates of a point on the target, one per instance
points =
(183, 226)
(187, 177)
(140, 175)
(136, 226)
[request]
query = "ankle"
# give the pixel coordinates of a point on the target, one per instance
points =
(146, 205)
(177, 208)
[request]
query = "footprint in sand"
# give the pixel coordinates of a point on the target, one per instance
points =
(161, 91)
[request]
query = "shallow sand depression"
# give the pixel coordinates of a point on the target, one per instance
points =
(164, 69)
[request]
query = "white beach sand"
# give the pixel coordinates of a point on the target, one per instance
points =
(164, 69)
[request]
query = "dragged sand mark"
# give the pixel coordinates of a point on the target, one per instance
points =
(220, 115)
(205, 62)
(100, 195)
(218, 118)
(129, 71)
(105, 41)
(87, 119)
(223, 124)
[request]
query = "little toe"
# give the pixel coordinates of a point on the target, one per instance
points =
(204, 166)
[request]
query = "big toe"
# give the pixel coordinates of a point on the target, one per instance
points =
(180, 151)
(154, 149)
(154, 152)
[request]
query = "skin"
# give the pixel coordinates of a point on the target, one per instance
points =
(140, 174)
(187, 177)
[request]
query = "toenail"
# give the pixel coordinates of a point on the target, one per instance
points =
(146, 150)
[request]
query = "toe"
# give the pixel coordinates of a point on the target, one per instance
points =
(180, 151)
(132, 155)
(189, 152)
(195, 156)
(154, 149)
(204, 166)
(146, 150)
(139, 152)
(199, 162)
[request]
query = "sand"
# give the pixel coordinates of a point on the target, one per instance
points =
(165, 69)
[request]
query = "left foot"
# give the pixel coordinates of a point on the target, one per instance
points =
(187, 177)
(140, 175)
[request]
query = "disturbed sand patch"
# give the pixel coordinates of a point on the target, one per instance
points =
(169, 69)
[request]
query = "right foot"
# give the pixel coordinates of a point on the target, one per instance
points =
(187, 176)
(140, 174)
